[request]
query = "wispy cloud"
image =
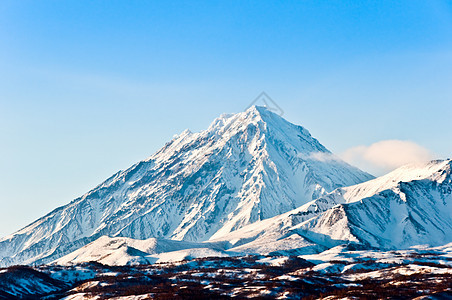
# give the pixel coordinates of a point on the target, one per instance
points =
(319, 156)
(384, 156)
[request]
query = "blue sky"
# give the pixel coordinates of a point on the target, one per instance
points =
(91, 87)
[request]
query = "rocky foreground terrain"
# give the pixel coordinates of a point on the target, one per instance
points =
(338, 273)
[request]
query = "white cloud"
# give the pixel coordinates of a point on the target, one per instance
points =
(384, 156)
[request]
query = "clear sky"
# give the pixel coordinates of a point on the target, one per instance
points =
(90, 87)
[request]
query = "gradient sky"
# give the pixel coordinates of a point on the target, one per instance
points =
(90, 87)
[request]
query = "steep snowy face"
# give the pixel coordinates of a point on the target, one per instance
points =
(244, 168)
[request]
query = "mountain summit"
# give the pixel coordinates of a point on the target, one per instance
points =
(244, 168)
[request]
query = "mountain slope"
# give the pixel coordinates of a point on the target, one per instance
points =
(244, 168)
(407, 207)
(400, 213)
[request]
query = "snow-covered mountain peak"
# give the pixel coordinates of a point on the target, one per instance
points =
(261, 117)
(245, 167)
(276, 122)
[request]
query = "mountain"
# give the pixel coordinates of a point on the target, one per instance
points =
(409, 206)
(244, 168)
